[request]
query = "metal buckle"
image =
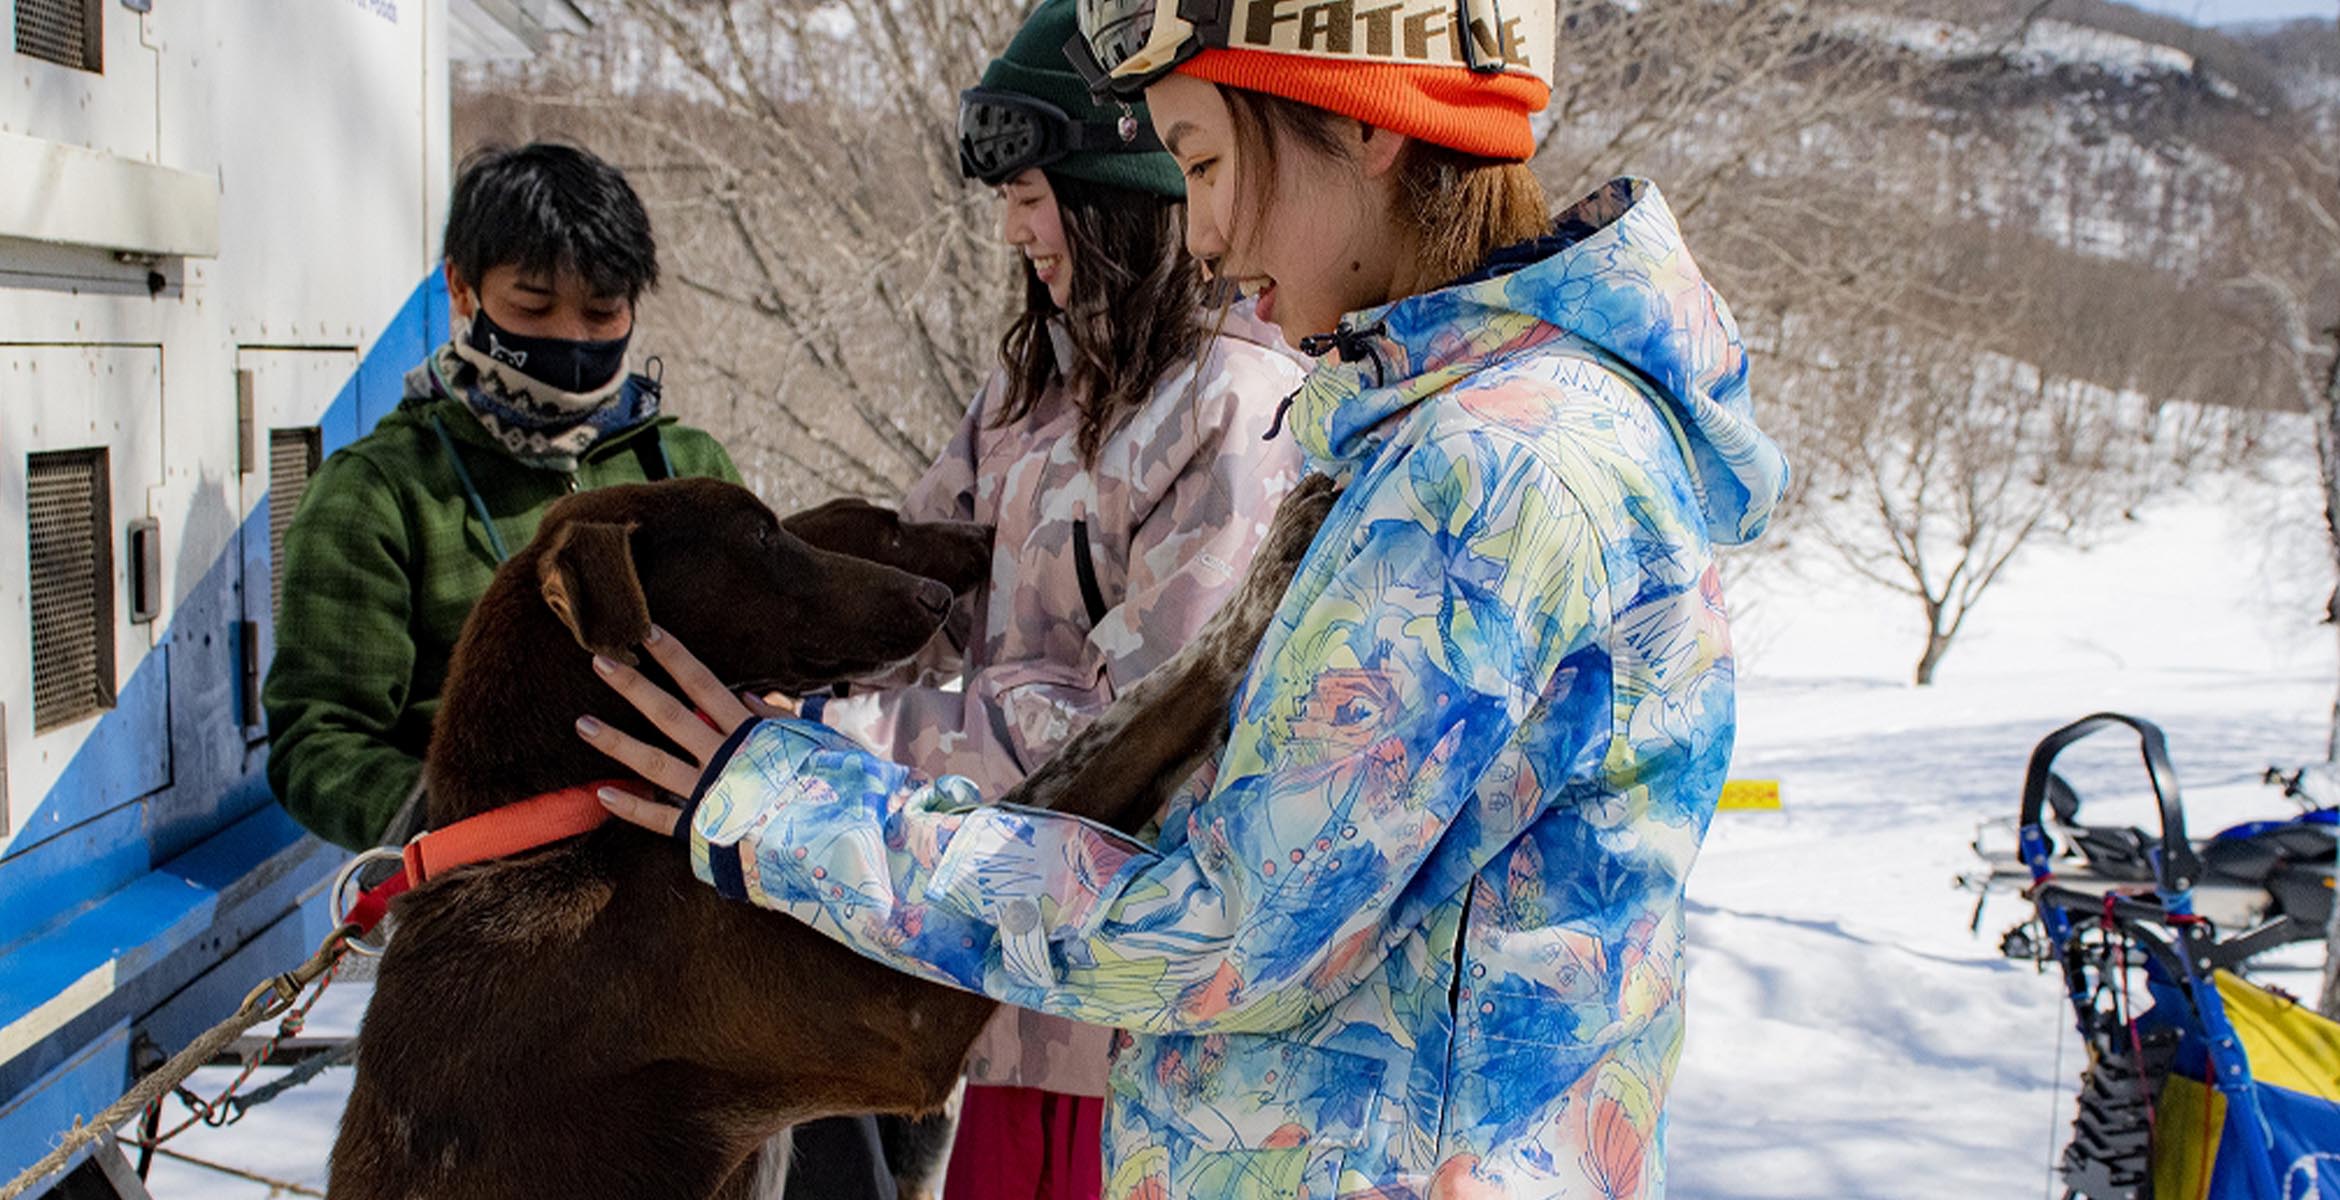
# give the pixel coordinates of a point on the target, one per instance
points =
(341, 899)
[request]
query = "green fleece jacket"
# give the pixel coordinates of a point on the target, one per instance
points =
(382, 563)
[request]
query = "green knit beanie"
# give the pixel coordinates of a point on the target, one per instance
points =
(1035, 65)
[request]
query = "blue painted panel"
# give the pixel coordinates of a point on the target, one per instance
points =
(131, 752)
(127, 756)
(30, 1123)
(418, 329)
(210, 998)
(210, 755)
(137, 924)
(205, 905)
(66, 874)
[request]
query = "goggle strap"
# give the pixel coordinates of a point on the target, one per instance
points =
(1212, 19)
(1106, 136)
(1084, 60)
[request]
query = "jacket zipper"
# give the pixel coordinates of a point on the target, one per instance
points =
(1085, 570)
(1462, 926)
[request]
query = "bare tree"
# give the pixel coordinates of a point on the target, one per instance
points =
(2297, 292)
(2290, 257)
(1946, 460)
(838, 288)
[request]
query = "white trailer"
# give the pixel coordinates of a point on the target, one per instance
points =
(218, 228)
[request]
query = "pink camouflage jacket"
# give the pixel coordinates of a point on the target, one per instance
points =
(1098, 575)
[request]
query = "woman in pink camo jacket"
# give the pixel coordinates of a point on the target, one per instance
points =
(1120, 457)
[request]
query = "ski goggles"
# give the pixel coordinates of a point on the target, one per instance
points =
(1124, 45)
(1002, 134)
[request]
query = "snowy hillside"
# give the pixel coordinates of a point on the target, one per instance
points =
(2044, 45)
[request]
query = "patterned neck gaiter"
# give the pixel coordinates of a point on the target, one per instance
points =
(535, 422)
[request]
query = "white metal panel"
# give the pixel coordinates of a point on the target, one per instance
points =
(52, 192)
(69, 398)
(313, 116)
(112, 111)
(289, 390)
(316, 119)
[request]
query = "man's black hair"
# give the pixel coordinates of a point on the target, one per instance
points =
(546, 207)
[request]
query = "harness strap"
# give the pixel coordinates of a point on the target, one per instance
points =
(650, 453)
(513, 829)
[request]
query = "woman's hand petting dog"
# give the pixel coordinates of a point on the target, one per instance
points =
(700, 733)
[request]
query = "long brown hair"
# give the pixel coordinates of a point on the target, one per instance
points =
(1458, 208)
(1135, 313)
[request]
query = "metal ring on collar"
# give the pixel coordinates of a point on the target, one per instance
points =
(341, 900)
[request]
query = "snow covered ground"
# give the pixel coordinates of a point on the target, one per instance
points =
(1849, 1038)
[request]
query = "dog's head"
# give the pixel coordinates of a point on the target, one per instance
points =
(759, 605)
(954, 552)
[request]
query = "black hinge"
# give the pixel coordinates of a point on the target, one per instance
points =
(247, 422)
(248, 673)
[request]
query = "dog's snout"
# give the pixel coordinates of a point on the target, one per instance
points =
(935, 596)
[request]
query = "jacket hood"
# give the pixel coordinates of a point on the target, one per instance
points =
(1612, 282)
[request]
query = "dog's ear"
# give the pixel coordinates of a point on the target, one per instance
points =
(587, 576)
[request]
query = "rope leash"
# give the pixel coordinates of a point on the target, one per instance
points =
(500, 833)
(309, 1069)
(227, 1108)
(274, 1186)
(272, 1000)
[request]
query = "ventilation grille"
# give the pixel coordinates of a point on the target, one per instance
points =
(64, 32)
(292, 458)
(66, 502)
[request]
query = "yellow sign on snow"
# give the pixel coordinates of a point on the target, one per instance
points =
(1751, 795)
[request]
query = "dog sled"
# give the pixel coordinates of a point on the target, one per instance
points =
(2200, 1083)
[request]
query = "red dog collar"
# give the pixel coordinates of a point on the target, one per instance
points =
(513, 829)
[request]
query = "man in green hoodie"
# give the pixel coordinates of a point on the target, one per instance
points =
(547, 250)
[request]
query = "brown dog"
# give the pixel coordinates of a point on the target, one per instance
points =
(589, 1020)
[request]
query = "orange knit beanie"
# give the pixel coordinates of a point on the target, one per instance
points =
(1485, 115)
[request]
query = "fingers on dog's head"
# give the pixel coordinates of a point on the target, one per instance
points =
(586, 575)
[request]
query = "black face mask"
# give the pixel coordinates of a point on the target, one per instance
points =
(563, 364)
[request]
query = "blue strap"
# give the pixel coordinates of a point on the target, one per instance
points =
(478, 506)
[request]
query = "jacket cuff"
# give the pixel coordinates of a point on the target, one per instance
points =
(751, 778)
(724, 870)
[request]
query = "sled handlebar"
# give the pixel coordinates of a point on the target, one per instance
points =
(2177, 868)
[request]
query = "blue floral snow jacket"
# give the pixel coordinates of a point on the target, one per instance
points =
(1421, 936)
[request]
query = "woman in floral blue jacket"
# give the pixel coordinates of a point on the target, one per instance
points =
(1420, 932)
